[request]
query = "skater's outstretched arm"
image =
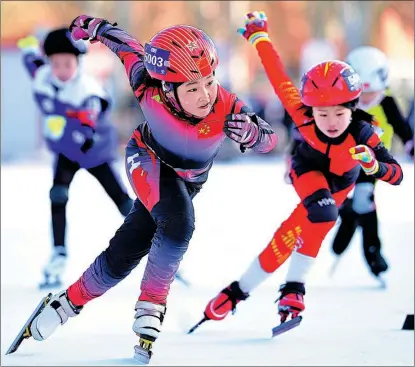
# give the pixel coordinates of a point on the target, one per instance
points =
(32, 57)
(125, 46)
(256, 32)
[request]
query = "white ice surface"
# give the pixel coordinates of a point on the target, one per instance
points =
(349, 320)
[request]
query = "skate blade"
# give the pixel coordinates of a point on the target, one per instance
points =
(287, 325)
(25, 331)
(142, 355)
(197, 325)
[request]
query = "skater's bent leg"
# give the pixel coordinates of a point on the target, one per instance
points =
(347, 228)
(58, 195)
(64, 172)
(368, 220)
(304, 230)
(370, 232)
(371, 243)
(129, 245)
(322, 221)
(174, 216)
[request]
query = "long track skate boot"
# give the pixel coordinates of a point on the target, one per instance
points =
(51, 312)
(149, 318)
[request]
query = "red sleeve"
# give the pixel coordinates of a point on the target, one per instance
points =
(284, 88)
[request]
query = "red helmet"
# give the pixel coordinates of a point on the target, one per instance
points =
(180, 54)
(330, 83)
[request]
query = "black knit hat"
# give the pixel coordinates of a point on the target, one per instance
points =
(60, 41)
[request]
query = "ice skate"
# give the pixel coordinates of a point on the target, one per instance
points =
(51, 312)
(291, 303)
(149, 319)
(56, 312)
(219, 307)
(54, 269)
(378, 266)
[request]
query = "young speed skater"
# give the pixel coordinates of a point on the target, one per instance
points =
(339, 141)
(168, 159)
(76, 128)
(360, 210)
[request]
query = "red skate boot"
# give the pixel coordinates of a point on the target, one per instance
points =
(219, 307)
(291, 302)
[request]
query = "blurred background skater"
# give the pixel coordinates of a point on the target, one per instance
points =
(76, 128)
(359, 210)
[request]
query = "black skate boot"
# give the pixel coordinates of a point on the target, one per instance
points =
(377, 265)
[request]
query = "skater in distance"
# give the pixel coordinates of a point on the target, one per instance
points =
(77, 130)
(359, 210)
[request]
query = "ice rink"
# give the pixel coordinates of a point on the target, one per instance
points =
(349, 320)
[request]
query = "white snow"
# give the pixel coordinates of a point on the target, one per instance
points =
(349, 320)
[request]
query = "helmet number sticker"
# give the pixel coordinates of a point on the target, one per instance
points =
(156, 59)
(351, 78)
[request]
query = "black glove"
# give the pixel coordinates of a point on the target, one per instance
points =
(89, 138)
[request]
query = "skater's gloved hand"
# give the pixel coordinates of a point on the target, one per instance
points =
(29, 44)
(85, 27)
(88, 133)
(256, 28)
(409, 148)
(242, 128)
(366, 158)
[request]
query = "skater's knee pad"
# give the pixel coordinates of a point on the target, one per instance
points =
(59, 194)
(363, 198)
(321, 207)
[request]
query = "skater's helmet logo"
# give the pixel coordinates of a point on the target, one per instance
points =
(351, 78)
